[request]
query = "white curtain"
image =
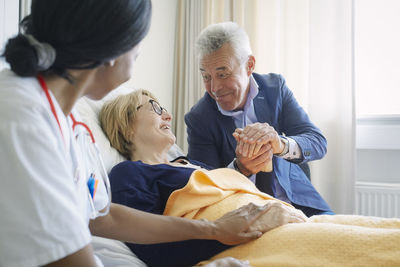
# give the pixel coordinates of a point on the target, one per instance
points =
(187, 87)
(310, 43)
(331, 98)
(25, 8)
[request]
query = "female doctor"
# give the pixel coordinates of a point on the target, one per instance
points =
(52, 182)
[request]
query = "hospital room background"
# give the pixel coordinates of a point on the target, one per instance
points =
(339, 57)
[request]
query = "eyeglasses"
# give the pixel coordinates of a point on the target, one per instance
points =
(156, 107)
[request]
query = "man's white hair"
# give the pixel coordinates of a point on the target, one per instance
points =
(214, 36)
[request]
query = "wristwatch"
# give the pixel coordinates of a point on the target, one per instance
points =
(286, 148)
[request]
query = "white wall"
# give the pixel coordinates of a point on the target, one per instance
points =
(155, 64)
(9, 16)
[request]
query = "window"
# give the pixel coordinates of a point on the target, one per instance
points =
(377, 57)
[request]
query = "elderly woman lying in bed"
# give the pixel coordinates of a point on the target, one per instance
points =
(139, 128)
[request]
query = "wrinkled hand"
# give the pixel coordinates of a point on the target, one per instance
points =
(256, 163)
(277, 214)
(256, 144)
(254, 136)
(233, 227)
(228, 262)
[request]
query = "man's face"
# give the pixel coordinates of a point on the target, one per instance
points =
(226, 81)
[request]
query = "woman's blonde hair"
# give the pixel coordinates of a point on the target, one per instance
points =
(117, 117)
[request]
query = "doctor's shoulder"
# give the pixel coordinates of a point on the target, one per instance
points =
(22, 107)
(17, 92)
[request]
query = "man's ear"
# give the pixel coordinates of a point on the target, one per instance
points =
(251, 64)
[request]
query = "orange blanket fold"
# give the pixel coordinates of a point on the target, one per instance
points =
(207, 188)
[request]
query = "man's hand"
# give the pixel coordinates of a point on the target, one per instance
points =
(254, 136)
(256, 163)
(233, 227)
(228, 262)
(256, 145)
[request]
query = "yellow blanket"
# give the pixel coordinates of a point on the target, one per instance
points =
(340, 240)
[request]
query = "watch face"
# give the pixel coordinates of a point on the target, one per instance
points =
(286, 147)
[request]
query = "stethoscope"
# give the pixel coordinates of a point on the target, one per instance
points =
(82, 140)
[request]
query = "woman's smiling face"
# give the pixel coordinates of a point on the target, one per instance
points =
(149, 127)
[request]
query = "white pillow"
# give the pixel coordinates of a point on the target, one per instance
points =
(89, 112)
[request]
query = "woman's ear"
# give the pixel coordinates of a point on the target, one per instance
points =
(130, 135)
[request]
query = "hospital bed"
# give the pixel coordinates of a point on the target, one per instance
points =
(347, 240)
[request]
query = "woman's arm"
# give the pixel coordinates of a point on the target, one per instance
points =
(130, 225)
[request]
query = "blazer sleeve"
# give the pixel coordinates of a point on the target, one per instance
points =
(202, 146)
(296, 124)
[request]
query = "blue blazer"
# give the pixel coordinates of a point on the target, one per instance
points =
(210, 136)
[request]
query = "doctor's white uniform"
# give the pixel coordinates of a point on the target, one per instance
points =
(44, 207)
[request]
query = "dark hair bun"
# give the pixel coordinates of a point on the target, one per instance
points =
(21, 56)
(53, 43)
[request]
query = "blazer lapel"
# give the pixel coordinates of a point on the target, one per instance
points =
(229, 127)
(261, 108)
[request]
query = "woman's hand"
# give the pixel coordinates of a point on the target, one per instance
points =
(233, 227)
(228, 262)
(277, 214)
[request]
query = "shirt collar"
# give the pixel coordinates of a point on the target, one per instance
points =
(253, 91)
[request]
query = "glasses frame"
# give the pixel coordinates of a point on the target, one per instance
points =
(158, 109)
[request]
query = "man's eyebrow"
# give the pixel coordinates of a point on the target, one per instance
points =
(218, 68)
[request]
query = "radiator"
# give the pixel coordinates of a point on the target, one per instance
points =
(377, 199)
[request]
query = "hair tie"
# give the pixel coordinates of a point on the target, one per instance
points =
(46, 54)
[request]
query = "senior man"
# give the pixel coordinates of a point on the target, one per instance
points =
(246, 120)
